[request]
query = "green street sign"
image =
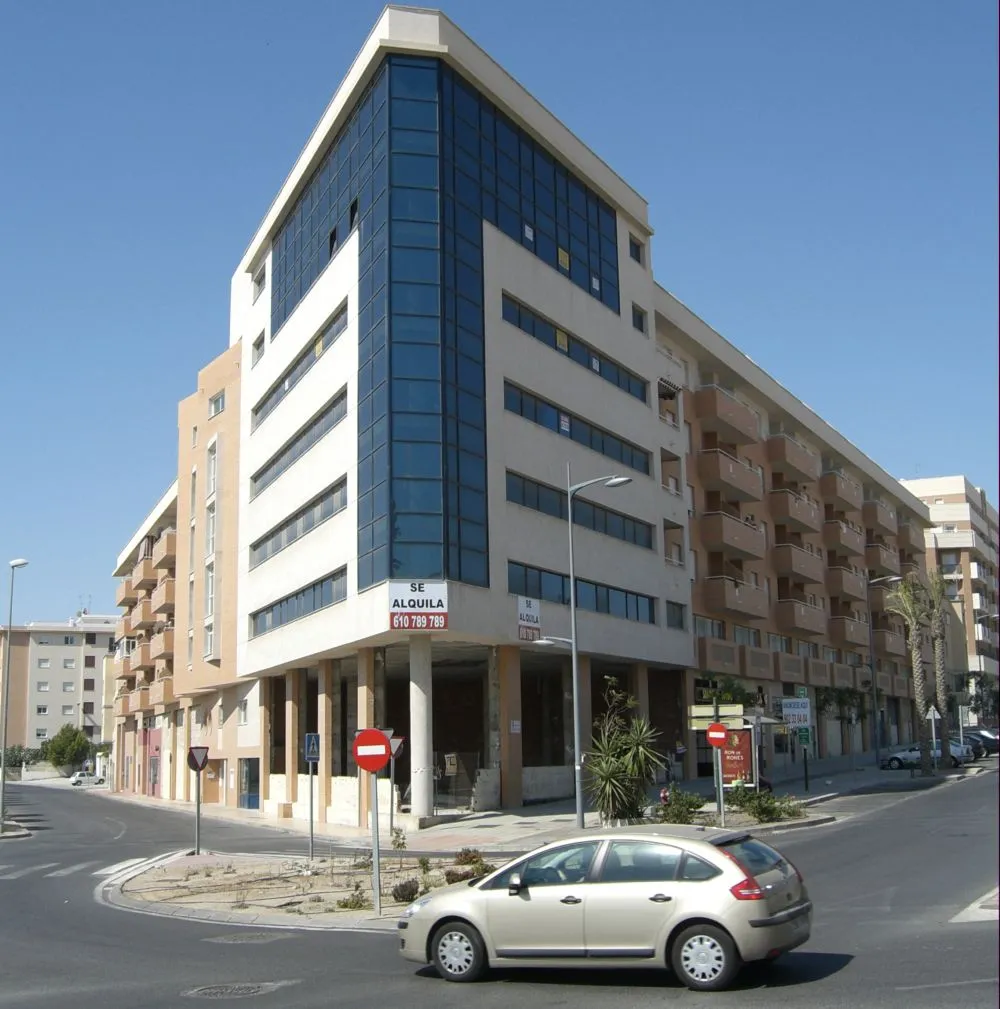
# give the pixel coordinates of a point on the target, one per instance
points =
(804, 737)
(801, 692)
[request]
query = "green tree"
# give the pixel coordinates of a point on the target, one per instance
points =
(908, 600)
(939, 612)
(69, 747)
(846, 705)
(985, 700)
(623, 760)
(18, 755)
(729, 690)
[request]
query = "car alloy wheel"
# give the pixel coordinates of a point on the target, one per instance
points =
(458, 952)
(705, 958)
(895, 763)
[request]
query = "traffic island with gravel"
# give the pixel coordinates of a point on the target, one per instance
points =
(328, 892)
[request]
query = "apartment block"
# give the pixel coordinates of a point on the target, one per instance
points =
(144, 649)
(795, 538)
(963, 542)
(57, 677)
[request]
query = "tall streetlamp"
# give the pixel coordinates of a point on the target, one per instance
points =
(571, 490)
(871, 583)
(18, 562)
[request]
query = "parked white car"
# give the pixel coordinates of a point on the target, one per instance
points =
(910, 757)
(85, 778)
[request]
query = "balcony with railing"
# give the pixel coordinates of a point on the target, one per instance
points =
(799, 564)
(141, 616)
(165, 550)
(138, 700)
(125, 594)
(910, 536)
(795, 511)
(163, 597)
(161, 645)
(839, 489)
(142, 657)
(843, 538)
(716, 656)
(888, 642)
(796, 616)
(730, 534)
(882, 559)
(880, 516)
(719, 471)
(144, 574)
(846, 632)
(161, 691)
(845, 583)
(789, 456)
(720, 411)
(722, 594)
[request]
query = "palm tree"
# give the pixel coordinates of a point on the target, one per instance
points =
(908, 600)
(940, 611)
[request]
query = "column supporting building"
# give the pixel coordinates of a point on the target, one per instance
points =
(511, 755)
(421, 728)
(292, 735)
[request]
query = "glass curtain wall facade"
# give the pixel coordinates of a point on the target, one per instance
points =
(422, 161)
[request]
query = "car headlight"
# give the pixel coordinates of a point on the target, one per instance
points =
(413, 908)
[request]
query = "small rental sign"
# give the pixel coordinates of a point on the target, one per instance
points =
(418, 606)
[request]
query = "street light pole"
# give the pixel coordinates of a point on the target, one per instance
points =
(571, 490)
(19, 562)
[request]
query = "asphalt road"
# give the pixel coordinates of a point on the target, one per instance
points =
(886, 882)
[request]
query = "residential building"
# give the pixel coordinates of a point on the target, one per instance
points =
(144, 648)
(56, 677)
(449, 300)
(794, 537)
(963, 542)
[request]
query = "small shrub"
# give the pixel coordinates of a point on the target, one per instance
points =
(363, 860)
(406, 891)
(356, 900)
(468, 856)
(458, 875)
(680, 807)
(424, 864)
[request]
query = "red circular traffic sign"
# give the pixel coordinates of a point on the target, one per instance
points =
(372, 750)
(716, 733)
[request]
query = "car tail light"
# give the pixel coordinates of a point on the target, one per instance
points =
(747, 889)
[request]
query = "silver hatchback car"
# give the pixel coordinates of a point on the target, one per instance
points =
(700, 900)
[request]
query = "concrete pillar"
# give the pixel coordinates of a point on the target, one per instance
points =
(264, 751)
(687, 699)
(381, 717)
(336, 714)
(366, 720)
(421, 728)
(292, 735)
(492, 733)
(509, 683)
(185, 774)
(638, 685)
(324, 719)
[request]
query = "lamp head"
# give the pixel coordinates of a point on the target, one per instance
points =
(617, 481)
(18, 562)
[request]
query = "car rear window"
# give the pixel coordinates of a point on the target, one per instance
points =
(755, 856)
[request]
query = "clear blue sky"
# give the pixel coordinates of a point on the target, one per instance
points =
(822, 179)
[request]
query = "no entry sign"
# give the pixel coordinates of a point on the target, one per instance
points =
(716, 734)
(372, 750)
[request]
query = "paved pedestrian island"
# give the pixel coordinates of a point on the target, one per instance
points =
(984, 909)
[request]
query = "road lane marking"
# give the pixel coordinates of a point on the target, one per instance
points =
(18, 873)
(70, 869)
(949, 984)
(110, 870)
(976, 912)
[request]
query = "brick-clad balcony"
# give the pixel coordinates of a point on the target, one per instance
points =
(722, 532)
(788, 456)
(845, 583)
(818, 672)
(715, 656)
(165, 550)
(882, 559)
(161, 645)
(144, 574)
(756, 663)
(843, 538)
(889, 643)
(797, 617)
(161, 691)
(721, 472)
(721, 412)
(910, 536)
(726, 595)
(789, 668)
(141, 616)
(163, 596)
(121, 705)
(840, 490)
(843, 675)
(880, 517)
(141, 657)
(791, 561)
(125, 594)
(795, 511)
(138, 700)
(846, 632)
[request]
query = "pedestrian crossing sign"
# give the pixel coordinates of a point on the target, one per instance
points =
(312, 747)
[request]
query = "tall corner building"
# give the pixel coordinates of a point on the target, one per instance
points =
(963, 542)
(447, 309)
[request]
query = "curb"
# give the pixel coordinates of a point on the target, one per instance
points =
(777, 828)
(20, 831)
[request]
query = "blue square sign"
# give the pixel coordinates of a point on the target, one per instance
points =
(312, 747)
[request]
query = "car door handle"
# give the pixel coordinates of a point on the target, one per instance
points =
(571, 900)
(660, 898)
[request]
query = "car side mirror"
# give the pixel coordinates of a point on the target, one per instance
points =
(515, 884)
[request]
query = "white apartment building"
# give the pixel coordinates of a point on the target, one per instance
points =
(65, 675)
(448, 303)
(964, 542)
